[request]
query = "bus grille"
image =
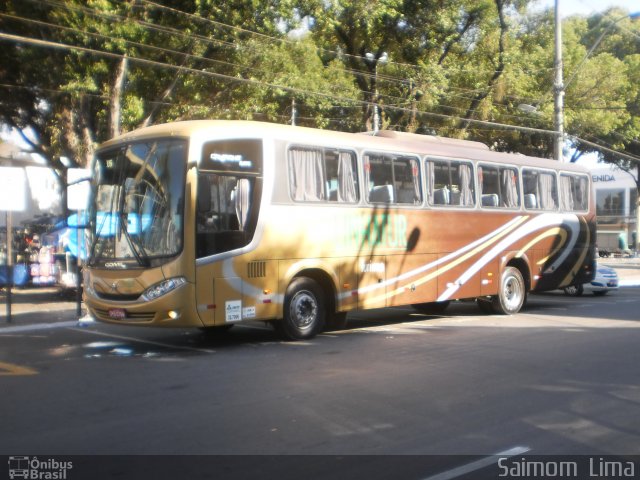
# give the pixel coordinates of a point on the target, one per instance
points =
(118, 296)
(141, 317)
(256, 269)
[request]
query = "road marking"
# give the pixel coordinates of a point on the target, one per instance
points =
(478, 464)
(9, 369)
(141, 340)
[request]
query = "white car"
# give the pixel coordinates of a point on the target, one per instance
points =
(606, 280)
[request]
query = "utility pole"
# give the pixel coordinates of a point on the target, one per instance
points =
(558, 88)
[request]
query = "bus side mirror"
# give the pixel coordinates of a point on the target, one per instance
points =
(204, 194)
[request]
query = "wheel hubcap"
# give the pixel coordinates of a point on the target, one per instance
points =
(512, 292)
(304, 309)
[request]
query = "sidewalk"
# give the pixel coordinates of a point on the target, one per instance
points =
(39, 307)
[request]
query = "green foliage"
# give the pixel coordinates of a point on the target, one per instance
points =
(431, 67)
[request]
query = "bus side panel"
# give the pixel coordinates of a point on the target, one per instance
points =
(452, 281)
(419, 288)
(371, 282)
(490, 278)
(259, 289)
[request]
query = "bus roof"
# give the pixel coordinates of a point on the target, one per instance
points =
(387, 140)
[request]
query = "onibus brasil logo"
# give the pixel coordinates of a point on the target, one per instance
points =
(38, 469)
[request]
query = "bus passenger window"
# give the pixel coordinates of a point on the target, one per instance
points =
(450, 182)
(321, 175)
(342, 176)
(539, 189)
(392, 179)
(574, 190)
(499, 186)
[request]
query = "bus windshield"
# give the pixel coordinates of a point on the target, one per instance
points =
(137, 202)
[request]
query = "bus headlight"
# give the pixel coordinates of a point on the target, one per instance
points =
(163, 288)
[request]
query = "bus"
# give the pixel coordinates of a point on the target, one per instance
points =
(209, 223)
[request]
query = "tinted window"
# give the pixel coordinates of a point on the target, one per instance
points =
(392, 179)
(450, 182)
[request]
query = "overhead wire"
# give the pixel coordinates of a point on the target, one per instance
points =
(155, 63)
(222, 76)
(220, 62)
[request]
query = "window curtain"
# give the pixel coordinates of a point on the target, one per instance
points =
(566, 194)
(346, 179)
(581, 193)
(466, 185)
(307, 179)
(243, 191)
(546, 187)
(510, 188)
(367, 175)
(415, 173)
(431, 180)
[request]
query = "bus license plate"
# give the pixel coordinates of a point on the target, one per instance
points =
(117, 313)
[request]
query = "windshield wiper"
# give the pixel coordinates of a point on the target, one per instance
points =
(140, 255)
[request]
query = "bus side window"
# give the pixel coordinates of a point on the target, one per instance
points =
(574, 191)
(378, 173)
(450, 182)
(539, 189)
(342, 176)
(499, 186)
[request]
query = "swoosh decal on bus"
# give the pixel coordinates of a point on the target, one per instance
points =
(576, 266)
(503, 237)
(463, 254)
(537, 223)
(489, 238)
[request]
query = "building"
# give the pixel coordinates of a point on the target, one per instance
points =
(616, 205)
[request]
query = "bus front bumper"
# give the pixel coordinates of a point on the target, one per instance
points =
(173, 309)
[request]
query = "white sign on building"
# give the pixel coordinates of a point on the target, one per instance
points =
(13, 187)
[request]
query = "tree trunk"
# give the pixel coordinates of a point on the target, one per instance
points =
(115, 99)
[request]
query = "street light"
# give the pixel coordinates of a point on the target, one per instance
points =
(383, 59)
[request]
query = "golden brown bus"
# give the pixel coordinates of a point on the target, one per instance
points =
(210, 223)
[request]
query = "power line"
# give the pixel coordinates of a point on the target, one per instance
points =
(220, 62)
(190, 37)
(154, 63)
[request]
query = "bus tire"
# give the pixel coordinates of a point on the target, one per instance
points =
(574, 290)
(432, 308)
(304, 310)
(512, 293)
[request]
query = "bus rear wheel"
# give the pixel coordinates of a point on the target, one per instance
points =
(512, 293)
(304, 310)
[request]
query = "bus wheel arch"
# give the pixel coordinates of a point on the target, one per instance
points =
(309, 302)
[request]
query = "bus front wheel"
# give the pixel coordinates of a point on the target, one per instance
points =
(304, 310)
(512, 293)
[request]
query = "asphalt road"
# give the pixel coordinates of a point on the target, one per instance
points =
(559, 378)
